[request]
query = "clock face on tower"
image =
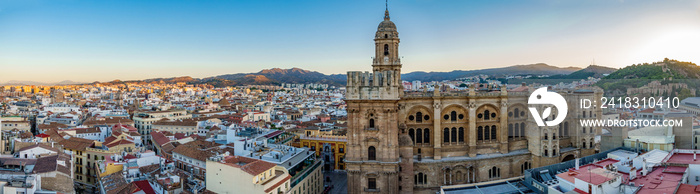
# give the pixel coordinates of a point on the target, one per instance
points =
(386, 59)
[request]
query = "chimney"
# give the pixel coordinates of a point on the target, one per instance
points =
(577, 163)
(644, 167)
(633, 173)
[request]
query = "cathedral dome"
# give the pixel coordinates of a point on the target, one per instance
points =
(386, 25)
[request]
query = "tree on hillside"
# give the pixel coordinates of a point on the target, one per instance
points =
(685, 93)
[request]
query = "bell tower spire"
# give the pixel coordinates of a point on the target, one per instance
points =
(386, 42)
(386, 12)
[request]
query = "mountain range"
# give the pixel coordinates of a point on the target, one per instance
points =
(531, 69)
(277, 76)
(18, 82)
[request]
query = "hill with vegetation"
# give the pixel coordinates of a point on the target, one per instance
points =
(594, 71)
(638, 75)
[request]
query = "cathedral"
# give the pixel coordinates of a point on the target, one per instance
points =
(416, 142)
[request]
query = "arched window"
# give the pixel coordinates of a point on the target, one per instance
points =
(453, 116)
(419, 117)
(522, 129)
(546, 152)
(516, 113)
(493, 132)
(510, 131)
(446, 135)
(454, 134)
(480, 133)
(566, 129)
(561, 129)
(461, 134)
(494, 172)
(421, 178)
(371, 123)
(426, 136)
(386, 49)
(371, 153)
(525, 166)
(487, 131)
(410, 133)
(487, 115)
(517, 130)
(386, 35)
(419, 136)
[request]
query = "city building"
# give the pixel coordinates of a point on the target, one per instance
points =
(49, 172)
(77, 149)
(143, 121)
(186, 126)
(237, 174)
(331, 148)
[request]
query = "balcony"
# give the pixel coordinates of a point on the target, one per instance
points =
(304, 173)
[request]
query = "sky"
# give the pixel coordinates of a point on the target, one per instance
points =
(86, 41)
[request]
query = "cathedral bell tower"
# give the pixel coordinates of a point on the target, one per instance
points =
(386, 46)
(384, 82)
(372, 159)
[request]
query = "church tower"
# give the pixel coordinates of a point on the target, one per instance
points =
(372, 103)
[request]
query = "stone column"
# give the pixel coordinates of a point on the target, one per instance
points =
(468, 178)
(437, 129)
(503, 128)
(474, 175)
(444, 177)
(451, 176)
(472, 128)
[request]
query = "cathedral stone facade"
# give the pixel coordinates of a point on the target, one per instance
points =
(416, 142)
